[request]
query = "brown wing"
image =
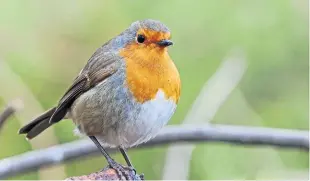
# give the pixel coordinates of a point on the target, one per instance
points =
(96, 70)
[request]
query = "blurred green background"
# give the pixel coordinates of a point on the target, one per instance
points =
(46, 43)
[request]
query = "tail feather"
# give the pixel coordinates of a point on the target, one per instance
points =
(37, 125)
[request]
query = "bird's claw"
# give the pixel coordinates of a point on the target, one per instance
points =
(120, 170)
(132, 169)
(141, 176)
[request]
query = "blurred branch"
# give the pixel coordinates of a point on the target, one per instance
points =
(240, 135)
(110, 174)
(10, 109)
(17, 87)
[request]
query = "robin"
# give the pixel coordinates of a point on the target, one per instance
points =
(127, 91)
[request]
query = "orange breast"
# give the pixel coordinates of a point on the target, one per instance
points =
(148, 69)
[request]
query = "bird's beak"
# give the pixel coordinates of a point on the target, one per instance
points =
(165, 43)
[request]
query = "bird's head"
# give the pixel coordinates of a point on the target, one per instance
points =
(146, 35)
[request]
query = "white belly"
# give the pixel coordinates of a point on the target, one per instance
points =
(154, 115)
(143, 124)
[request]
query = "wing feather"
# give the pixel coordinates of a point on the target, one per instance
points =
(87, 79)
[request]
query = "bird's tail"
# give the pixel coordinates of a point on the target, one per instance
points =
(37, 125)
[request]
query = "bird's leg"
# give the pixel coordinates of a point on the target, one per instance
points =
(123, 152)
(126, 157)
(110, 161)
(117, 167)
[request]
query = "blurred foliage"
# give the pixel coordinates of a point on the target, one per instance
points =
(47, 43)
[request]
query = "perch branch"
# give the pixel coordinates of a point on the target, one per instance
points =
(240, 135)
(110, 174)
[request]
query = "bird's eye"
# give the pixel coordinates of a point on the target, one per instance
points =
(140, 38)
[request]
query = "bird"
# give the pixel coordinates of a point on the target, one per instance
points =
(127, 91)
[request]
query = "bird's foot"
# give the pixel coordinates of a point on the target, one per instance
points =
(120, 170)
(125, 173)
(134, 173)
(133, 170)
